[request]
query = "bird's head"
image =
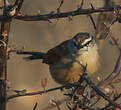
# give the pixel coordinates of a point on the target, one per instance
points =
(82, 39)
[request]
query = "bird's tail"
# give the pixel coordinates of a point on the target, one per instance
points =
(32, 55)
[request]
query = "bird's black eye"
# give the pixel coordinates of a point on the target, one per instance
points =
(77, 45)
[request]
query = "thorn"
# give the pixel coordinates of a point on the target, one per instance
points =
(85, 67)
(35, 106)
(79, 7)
(70, 18)
(49, 21)
(82, 3)
(61, 3)
(92, 20)
(92, 6)
(58, 10)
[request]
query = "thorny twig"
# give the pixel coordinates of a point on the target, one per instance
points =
(83, 77)
(93, 22)
(61, 3)
(18, 5)
(99, 92)
(108, 105)
(35, 106)
(81, 5)
(91, 18)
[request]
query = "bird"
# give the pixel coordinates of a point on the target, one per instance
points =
(66, 60)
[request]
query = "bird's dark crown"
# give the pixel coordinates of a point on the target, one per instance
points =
(82, 39)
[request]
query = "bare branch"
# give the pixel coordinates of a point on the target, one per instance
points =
(93, 22)
(4, 33)
(18, 5)
(82, 77)
(76, 12)
(61, 3)
(99, 92)
(45, 91)
(108, 105)
(35, 106)
(82, 3)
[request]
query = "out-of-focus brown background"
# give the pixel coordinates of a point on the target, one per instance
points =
(41, 36)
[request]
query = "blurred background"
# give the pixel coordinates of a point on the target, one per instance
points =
(41, 36)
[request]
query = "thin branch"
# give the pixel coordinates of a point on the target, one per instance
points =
(76, 12)
(115, 42)
(4, 36)
(83, 77)
(45, 91)
(99, 92)
(18, 5)
(61, 3)
(93, 22)
(82, 3)
(92, 6)
(4, 2)
(108, 105)
(94, 103)
(35, 106)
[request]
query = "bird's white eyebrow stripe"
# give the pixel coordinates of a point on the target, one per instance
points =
(87, 40)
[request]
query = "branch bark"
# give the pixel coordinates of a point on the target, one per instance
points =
(76, 12)
(8, 13)
(45, 91)
(5, 28)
